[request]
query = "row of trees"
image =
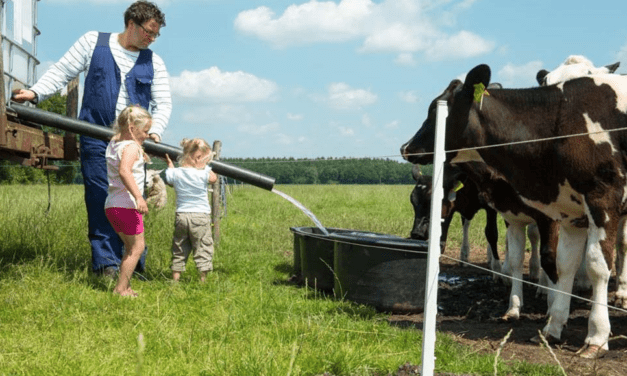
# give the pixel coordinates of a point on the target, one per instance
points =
(329, 170)
(284, 170)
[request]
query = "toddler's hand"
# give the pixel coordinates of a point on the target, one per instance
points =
(170, 164)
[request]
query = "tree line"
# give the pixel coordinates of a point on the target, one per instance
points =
(283, 170)
(329, 170)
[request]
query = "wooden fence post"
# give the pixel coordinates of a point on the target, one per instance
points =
(215, 197)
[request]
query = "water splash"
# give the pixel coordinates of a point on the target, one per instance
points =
(303, 209)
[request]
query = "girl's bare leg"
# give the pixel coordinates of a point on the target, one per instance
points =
(176, 276)
(134, 245)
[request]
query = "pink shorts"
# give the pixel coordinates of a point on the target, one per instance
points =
(126, 221)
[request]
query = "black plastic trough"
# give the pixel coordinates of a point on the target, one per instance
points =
(384, 271)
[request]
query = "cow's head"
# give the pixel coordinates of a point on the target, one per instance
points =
(573, 67)
(459, 98)
(421, 199)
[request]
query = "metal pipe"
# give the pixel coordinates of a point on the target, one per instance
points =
(68, 124)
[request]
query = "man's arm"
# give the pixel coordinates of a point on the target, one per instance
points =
(75, 61)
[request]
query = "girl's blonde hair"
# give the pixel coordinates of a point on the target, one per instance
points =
(132, 115)
(192, 146)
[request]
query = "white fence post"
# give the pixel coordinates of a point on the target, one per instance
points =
(435, 231)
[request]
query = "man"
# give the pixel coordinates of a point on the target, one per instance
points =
(120, 70)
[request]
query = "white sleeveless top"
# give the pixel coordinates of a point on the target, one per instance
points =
(118, 196)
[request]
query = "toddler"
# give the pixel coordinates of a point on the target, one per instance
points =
(125, 205)
(192, 224)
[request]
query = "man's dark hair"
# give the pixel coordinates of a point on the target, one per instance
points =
(143, 11)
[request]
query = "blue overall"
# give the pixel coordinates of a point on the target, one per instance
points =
(102, 87)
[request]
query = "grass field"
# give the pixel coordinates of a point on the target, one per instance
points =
(56, 318)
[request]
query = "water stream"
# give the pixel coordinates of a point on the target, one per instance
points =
(303, 209)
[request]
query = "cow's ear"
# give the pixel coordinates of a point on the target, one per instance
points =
(478, 75)
(613, 67)
(541, 76)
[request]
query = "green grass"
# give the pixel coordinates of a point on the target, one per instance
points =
(58, 319)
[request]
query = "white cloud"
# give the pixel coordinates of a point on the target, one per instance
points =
(519, 75)
(622, 56)
(409, 96)
(366, 120)
(342, 96)
(398, 26)
(283, 139)
(294, 117)
(306, 23)
(344, 131)
(405, 59)
(392, 125)
(461, 45)
(213, 85)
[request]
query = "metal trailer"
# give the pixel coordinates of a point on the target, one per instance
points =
(21, 141)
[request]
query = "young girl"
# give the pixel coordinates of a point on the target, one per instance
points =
(192, 224)
(125, 204)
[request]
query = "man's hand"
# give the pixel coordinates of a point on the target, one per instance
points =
(22, 95)
(155, 137)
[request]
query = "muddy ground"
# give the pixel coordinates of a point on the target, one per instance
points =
(470, 311)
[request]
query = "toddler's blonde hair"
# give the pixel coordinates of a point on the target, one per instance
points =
(191, 146)
(131, 115)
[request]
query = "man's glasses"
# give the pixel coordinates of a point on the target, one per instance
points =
(151, 34)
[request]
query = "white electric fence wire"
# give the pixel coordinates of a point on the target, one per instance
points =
(526, 141)
(470, 265)
(447, 151)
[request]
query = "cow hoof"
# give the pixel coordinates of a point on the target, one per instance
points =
(549, 339)
(511, 316)
(591, 352)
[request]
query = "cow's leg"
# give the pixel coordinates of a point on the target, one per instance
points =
(599, 254)
(548, 231)
(534, 260)
(570, 250)
(492, 235)
(516, 255)
(621, 270)
(446, 223)
(465, 250)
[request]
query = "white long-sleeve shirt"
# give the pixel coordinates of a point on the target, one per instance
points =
(77, 59)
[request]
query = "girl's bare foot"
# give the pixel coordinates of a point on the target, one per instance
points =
(128, 292)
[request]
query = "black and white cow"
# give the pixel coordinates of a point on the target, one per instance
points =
(574, 172)
(460, 196)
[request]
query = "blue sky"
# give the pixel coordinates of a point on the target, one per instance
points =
(349, 78)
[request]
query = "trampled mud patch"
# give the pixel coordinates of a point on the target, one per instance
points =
(470, 307)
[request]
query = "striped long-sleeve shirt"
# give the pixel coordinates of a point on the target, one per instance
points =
(77, 59)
